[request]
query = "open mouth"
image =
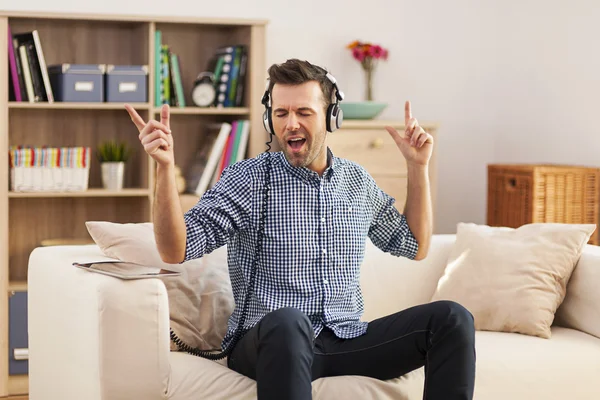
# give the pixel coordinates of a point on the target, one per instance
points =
(296, 144)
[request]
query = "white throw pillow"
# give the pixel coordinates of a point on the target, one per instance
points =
(200, 300)
(512, 280)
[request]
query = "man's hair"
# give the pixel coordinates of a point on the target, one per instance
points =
(297, 72)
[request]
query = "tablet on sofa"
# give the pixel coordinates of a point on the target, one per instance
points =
(125, 270)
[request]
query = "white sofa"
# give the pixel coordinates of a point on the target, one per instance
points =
(96, 337)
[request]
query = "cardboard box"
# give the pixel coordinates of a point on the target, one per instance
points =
(77, 82)
(126, 83)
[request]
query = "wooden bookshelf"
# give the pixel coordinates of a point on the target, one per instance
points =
(88, 193)
(74, 106)
(32, 218)
(239, 111)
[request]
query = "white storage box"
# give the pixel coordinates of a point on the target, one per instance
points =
(52, 169)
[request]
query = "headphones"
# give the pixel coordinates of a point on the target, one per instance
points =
(333, 117)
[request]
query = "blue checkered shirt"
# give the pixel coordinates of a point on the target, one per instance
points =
(314, 243)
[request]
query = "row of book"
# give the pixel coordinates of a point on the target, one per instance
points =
(28, 75)
(168, 85)
(226, 144)
(34, 169)
(228, 66)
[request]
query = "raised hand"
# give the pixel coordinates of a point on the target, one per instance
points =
(416, 145)
(155, 136)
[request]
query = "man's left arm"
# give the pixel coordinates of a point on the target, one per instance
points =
(418, 210)
(416, 146)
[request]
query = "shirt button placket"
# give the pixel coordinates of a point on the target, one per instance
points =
(324, 239)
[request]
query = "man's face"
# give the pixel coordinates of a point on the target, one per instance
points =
(299, 124)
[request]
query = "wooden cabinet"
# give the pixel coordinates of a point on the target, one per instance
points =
(29, 219)
(369, 144)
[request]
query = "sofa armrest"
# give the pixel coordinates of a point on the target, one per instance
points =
(93, 336)
(390, 284)
(581, 307)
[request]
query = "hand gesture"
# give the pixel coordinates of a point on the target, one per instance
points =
(155, 136)
(416, 145)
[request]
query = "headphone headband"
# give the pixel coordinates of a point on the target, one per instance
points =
(266, 99)
(339, 95)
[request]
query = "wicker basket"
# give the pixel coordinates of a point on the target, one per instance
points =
(519, 194)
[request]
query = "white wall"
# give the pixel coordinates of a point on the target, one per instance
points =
(508, 81)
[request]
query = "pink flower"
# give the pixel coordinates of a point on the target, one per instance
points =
(358, 54)
(376, 51)
(366, 53)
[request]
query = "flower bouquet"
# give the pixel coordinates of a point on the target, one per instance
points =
(369, 55)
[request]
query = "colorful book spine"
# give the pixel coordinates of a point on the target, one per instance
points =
(12, 61)
(158, 100)
(57, 169)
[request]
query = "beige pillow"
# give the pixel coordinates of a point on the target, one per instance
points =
(200, 300)
(512, 280)
(581, 308)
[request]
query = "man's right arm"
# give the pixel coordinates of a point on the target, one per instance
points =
(169, 225)
(222, 210)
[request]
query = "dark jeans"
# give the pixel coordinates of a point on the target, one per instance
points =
(281, 354)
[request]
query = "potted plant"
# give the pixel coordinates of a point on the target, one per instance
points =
(112, 156)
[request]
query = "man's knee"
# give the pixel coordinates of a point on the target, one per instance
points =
(456, 317)
(286, 323)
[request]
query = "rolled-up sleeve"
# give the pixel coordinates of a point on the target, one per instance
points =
(220, 212)
(389, 229)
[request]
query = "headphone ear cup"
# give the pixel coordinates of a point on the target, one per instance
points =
(339, 117)
(328, 118)
(334, 117)
(267, 121)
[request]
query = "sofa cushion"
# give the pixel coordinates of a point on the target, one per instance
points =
(191, 376)
(389, 283)
(200, 299)
(509, 366)
(581, 308)
(512, 280)
(513, 366)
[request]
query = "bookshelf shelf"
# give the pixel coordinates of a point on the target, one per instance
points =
(240, 111)
(32, 219)
(88, 193)
(74, 106)
(17, 286)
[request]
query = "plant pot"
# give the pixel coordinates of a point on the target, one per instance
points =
(113, 174)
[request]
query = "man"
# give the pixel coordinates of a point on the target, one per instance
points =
(303, 316)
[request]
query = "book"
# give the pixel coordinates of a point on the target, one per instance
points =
(49, 96)
(158, 100)
(14, 73)
(243, 143)
(37, 65)
(239, 94)
(176, 81)
(198, 164)
(165, 75)
(20, 73)
(26, 74)
(223, 84)
(224, 130)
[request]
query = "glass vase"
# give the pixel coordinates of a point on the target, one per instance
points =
(369, 84)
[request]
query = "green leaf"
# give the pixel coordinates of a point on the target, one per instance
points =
(113, 151)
